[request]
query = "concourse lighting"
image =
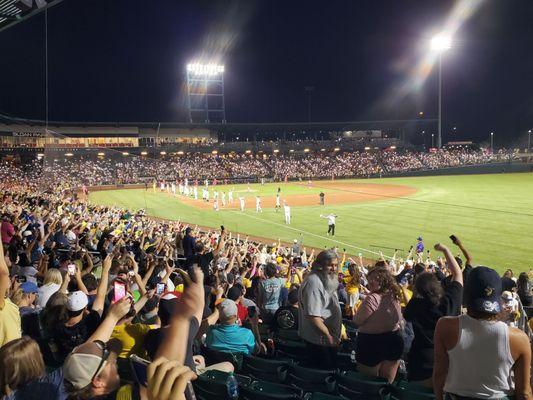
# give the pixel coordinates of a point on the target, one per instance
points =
(214, 152)
(125, 153)
(367, 148)
(144, 153)
(306, 150)
(441, 42)
(197, 68)
(393, 147)
(291, 151)
(180, 153)
(163, 153)
(276, 151)
(322, 149)
(101, 154)
(42, 155)
(68, 154)
(336, 149)
(248, 151)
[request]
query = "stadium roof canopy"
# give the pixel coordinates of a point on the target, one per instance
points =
(14, 11)
(233, 127)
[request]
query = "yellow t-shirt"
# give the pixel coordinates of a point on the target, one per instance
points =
(247, 283)
(10, 327)
(352, 286)
(403, 300)
(132, 337)
(124, 393)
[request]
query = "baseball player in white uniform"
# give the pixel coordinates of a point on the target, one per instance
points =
(223, 196)
(230, 196)
(258, 204)
(241, 202)
(287, 210)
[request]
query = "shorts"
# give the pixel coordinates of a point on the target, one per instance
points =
(372, 349)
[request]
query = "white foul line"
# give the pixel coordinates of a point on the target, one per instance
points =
(308, 233)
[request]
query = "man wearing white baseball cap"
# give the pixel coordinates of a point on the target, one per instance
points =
(81, 323)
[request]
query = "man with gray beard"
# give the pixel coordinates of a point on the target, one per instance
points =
(320, 315)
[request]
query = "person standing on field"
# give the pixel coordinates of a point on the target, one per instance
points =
(287, 211)
(331, 223)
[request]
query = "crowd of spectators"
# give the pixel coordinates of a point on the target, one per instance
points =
(86, 290)
(118, 168)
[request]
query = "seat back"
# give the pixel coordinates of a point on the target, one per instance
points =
(372, 388)
(261, 390)
(312, 380)
(215, 356)
(270, 370)
(288, 334)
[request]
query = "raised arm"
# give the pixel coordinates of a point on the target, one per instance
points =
(101, 291)
(5, 283)
(191, 304)
(466, 254)
(454, 268)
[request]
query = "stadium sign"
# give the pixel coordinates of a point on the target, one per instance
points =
(29, 134)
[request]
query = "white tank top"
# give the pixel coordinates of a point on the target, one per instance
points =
(480, 363)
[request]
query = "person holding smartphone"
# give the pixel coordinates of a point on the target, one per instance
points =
(431, 301)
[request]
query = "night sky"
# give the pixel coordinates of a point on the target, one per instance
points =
(124, 60)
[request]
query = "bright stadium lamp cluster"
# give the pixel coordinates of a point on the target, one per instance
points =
(205, 69)
(441, 42)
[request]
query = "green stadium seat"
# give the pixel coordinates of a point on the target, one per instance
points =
(261, 390)
(214, 357)
(324, 396)
(312, 380)
(271, 370)
(293, 349)
(211, 385)
(372, 388)
(404, 390)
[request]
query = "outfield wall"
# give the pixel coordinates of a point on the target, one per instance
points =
(492, 168)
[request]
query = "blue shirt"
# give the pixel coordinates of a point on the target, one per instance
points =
(230, 339)
(270, 292)
(48, 387)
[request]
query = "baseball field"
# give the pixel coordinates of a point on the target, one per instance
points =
(491, 214)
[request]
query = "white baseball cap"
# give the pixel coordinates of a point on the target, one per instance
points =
(77, 301)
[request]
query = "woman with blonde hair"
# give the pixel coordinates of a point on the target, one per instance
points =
(52, 283)
(22, 372)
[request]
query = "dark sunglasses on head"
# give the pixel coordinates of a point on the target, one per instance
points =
(105, 355)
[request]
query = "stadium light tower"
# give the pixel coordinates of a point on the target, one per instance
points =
(205, 90)
(439, 44)
(528, 140)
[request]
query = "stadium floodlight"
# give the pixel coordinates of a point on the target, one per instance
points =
(439, 44)
(198, 68)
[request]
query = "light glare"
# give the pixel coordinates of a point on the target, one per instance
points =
(441, 42)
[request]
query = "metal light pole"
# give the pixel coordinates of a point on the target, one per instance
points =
(440, 43)
(529, 140)
(439, 135)
(432, 141)
(492, 142)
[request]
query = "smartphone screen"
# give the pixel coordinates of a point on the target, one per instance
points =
(71, 269)
(160, 288)
(119, 291)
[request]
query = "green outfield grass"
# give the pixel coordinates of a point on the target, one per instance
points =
(492, 214)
